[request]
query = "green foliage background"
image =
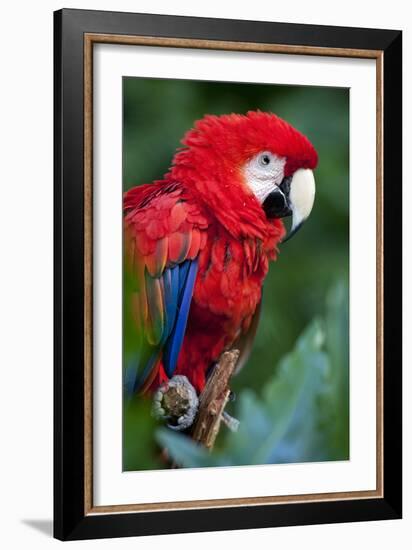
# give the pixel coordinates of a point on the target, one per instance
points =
(309, 279)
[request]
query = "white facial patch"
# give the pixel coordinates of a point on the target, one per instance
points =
(263, 173)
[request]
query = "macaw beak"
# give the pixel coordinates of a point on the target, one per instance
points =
(293, 197)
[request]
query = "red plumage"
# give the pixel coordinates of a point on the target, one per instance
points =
(204, 209)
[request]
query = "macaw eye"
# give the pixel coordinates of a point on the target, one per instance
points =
(264, 159)
(263, 173)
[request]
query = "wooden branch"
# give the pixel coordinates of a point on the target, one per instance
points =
(213, 400)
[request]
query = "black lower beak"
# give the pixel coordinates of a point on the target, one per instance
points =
(276, 204)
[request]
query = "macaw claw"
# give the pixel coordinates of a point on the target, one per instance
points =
(176, 402)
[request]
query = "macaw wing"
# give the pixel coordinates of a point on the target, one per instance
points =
(167, 302)
(163, 237)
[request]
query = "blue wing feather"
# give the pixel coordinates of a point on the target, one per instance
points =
(187, 277)
(183, 269)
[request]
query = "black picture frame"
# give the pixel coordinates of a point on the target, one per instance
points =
(70, 518)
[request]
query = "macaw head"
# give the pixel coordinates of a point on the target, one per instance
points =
(241, 161)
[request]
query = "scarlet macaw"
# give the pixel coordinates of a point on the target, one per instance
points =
(198, 242)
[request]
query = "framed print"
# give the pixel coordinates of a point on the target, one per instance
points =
(227, 274)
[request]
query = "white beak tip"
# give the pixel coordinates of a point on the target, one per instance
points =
(301, 198)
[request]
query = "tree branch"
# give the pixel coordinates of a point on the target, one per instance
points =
(213, 400)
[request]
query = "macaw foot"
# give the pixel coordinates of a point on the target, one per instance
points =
(176, 402)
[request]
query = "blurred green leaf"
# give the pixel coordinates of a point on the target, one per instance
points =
(335, 400)
(320, 428)
(140, 450)
(185, 451)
